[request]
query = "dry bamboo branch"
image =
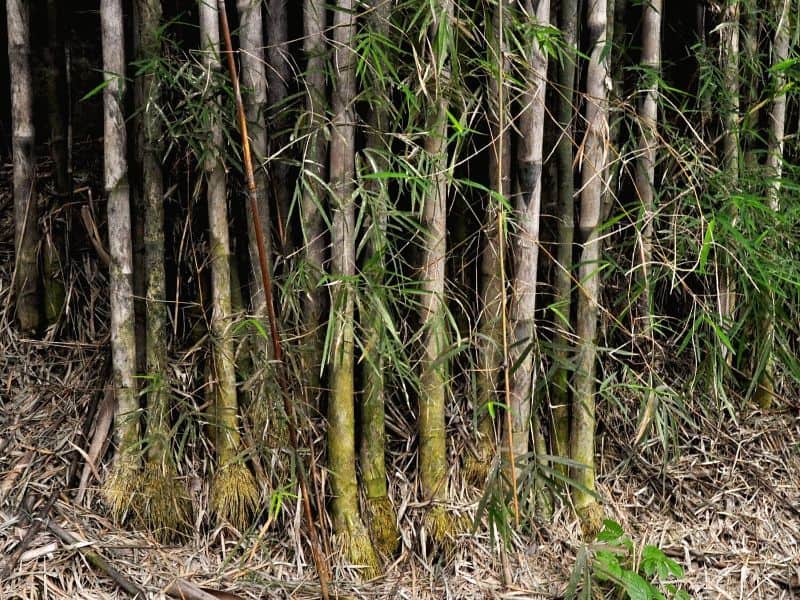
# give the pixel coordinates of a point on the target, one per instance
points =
(97, 561)
(36, 526)
(186, 590)
(263, 258)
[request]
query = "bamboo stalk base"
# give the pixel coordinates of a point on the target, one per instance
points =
(443, 527)
(167, 509)
(382, 520)
(234, 495)
(591, 516)
(476, 467)
(123, 487)
(356, 547)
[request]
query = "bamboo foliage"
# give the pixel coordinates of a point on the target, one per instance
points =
(123, 482)
(26, 211)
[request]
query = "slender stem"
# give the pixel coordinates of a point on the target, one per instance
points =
(322, 569)
(501, 232)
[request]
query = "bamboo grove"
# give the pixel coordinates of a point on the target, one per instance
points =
(484, 232)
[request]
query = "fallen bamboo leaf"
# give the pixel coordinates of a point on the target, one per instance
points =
(35, 553)
(94, 236)
(185, 590)
(14, 474)
(102, 427)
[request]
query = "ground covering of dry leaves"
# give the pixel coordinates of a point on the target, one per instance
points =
(726, 505)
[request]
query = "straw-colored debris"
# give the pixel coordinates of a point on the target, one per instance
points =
(726, 507)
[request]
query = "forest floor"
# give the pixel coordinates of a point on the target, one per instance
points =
(726, 505)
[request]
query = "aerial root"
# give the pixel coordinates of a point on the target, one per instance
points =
(357, 549)
(591, 516)
(123, 488)
(234, 495)
(167, 508)
(443, 527)
(382, 520)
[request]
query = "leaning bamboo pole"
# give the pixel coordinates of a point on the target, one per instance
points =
(321, 566)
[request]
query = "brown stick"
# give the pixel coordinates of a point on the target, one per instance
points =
(263, 259)
(97, 561)
(186, 590)
(36, 526)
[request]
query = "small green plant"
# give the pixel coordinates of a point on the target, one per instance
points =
(612, 564)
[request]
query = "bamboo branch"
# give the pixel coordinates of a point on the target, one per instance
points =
(96, 560)
(36, 526)
(263, 259)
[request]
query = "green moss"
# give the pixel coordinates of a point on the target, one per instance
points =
(234, 495)
(123, 487)
(591, 516)
(443, 527)
(382, 520)
(355, 545)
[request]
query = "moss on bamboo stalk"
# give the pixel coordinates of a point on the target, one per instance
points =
(123, 485)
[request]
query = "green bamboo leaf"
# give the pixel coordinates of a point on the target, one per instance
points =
(708, 240)
(96, 89)
(578, 570)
